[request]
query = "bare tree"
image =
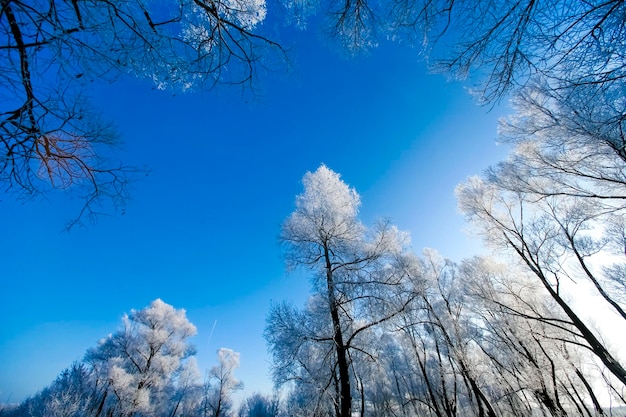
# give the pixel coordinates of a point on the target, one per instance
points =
(50, 138)
(539, 232)
(502, 43)
(506, 43)
(531, 350)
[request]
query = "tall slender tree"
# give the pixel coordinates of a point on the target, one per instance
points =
(357, 271)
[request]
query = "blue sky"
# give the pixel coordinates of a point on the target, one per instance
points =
(201, 230)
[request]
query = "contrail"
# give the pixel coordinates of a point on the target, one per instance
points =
(211, 334)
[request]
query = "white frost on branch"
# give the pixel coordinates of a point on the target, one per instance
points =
(327, 208)
(143, 360)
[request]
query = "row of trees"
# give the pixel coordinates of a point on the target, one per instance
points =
(146, 368)
(478, 338)
(389, 333)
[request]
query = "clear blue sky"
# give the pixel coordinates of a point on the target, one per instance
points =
(201, 230)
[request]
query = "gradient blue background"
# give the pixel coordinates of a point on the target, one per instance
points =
(201, 230)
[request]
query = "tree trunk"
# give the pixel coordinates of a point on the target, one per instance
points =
(345, 399)
(596, 346)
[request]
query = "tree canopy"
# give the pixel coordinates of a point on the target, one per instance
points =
(53, 139)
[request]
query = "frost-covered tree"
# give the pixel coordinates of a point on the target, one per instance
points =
(482, 339)
(530, 352)
(70, 395)
(433, 365)
(357, 275)
(426, 336)
(145, 369)
(304, 356)
(220, 384)
(137, 366)
(557, 207)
